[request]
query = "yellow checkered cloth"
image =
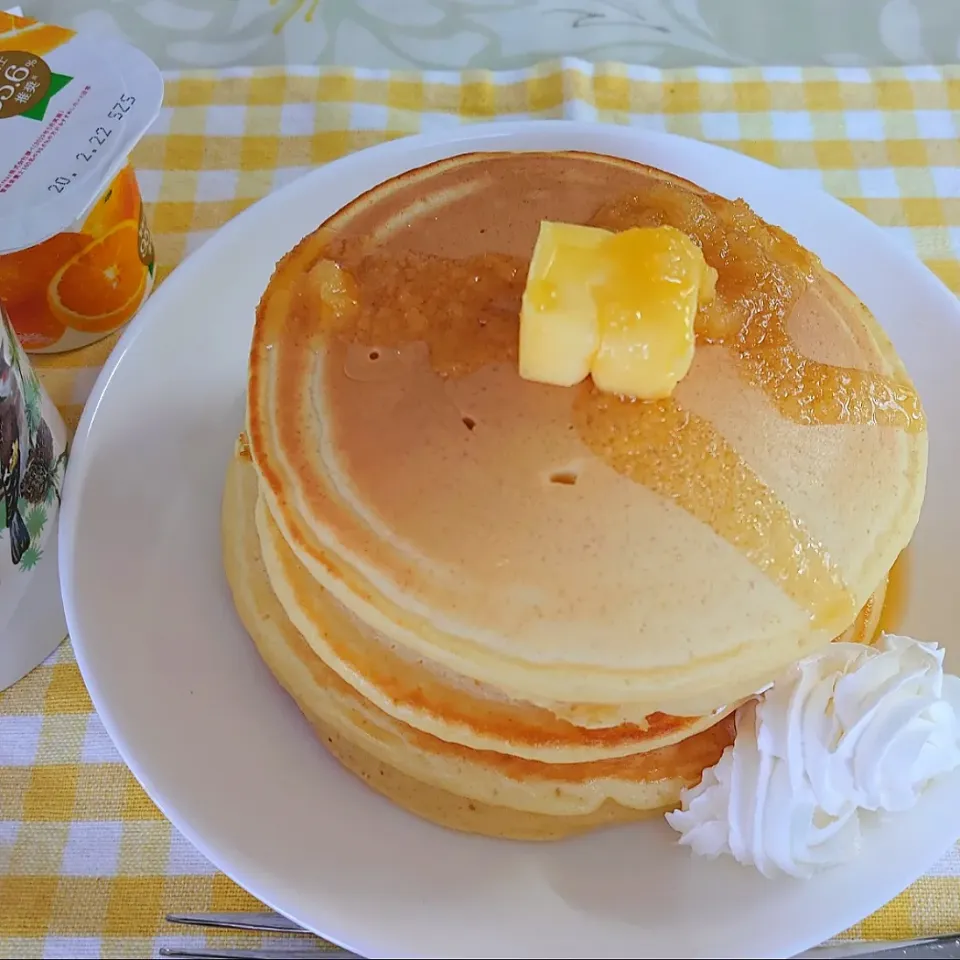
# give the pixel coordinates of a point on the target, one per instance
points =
(88, 865)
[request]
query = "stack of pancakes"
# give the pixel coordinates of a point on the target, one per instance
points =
(524, 610)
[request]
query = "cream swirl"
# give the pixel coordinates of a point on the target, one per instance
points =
(849, 732)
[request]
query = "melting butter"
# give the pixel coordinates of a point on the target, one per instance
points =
(619, 307)
(332, 291)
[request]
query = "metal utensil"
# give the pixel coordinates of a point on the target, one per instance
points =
(946, 947)
(267, 922)
(295, 952)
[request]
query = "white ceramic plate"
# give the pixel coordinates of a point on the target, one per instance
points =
(227, 757)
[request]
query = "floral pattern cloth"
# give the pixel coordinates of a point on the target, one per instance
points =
(507, 34)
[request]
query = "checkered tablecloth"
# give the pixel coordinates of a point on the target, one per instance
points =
(88, 866)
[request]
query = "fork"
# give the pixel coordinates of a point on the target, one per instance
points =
(943, 947)
(293, 952)
(259, 922)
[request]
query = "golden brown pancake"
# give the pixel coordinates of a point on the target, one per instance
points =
(446, 809)
(450, 785)
(457, 709)
(497, 794)
(439, 702)
(708, 541)
(523, 610)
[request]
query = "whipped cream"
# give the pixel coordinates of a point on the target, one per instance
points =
(846, 734)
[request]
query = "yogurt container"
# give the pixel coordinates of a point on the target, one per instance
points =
(76, 256)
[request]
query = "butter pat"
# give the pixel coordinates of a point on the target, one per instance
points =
(646, 307)
(559, 332)
(619, 307)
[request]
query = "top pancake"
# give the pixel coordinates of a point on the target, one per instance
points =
(707, 541)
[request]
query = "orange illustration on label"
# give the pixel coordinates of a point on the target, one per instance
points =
(25, 33)
(76, 256)
(91, 281)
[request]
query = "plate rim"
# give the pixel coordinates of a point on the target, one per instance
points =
(495, 136)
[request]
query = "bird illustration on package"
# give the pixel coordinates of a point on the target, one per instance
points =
(14, 434)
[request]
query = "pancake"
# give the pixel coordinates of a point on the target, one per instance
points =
(438, 702)
(454, 708)
(461, 789)
(477, 791)
(458, 813)
(604, 560)
(526, 611)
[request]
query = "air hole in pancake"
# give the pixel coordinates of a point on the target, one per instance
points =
(469, 422)
(374, 354)
(566, 478)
